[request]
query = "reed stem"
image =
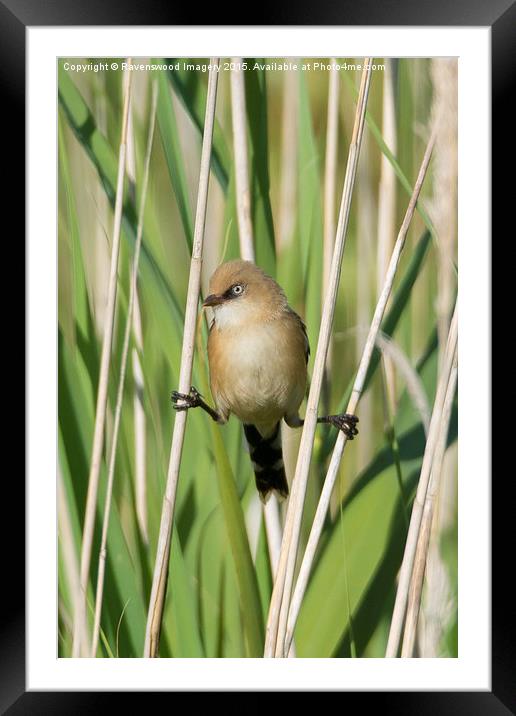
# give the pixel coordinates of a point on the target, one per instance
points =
(243, 193)
(139, 424)
(121, 382)
(102, 391)
(160, 576)
(423, 543)
(330, 178)
(289, 161)
(356, 394)
(407, 564)
(387, 210)
(271, 512)
(278, 610)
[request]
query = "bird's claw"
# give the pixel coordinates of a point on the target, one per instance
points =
(188, 400)
(345, 422)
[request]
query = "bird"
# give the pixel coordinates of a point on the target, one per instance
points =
(258, 353)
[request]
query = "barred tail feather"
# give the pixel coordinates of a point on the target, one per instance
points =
(267, 458)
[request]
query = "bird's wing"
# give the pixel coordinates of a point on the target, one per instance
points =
(302, 326)
(307, 343)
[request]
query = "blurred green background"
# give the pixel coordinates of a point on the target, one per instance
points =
(349, 600)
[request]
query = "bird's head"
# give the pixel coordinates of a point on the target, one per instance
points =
(241, 292)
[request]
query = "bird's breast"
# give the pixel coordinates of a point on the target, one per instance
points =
(258, 371)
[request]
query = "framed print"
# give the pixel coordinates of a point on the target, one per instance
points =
(259, 451)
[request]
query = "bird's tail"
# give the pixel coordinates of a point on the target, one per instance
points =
(267, 458)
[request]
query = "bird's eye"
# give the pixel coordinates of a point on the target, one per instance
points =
(237, 290)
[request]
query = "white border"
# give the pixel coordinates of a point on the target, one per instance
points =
(472, 669)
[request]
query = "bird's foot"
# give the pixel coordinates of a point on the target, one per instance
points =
(184, 401)
(345, 422)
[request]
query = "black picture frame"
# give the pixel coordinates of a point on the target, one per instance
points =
(500, 16)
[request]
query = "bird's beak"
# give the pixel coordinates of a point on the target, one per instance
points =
(213, 300)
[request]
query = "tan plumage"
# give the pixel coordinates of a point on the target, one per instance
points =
(258, 352)
(257, 349)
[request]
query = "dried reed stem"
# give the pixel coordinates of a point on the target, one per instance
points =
(387, 209)
(287, 213)
(160, 577)
(330, 182)
(138, 409)
(278, 610)
(98, 222)
(400, 604)
(245, 231)
(271, 514)
(289, 159)
(330, 178)
(444, 205)
(356, 393)
(121, 381)
(443, 210)
(243, 193)
(365, 291)
(420, 559)
(102, 391)
(139, 424)
(387, 188)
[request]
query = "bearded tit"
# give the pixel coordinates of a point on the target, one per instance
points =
(258, 353)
